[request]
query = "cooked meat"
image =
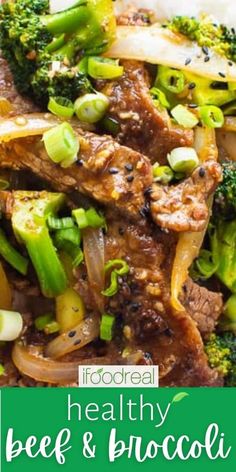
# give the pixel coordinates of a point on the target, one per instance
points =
(135, 17)
(142, 126)
(110, 173)
(204, 306)
(183, 207)
(142, 306)
(7, 89)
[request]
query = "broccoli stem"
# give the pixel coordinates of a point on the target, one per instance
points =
(67, 21)
(29, 220)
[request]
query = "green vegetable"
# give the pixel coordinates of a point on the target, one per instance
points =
(69, 240)
(90, 217)
(29, 220)
(212, 116)
(42, 50)
(60, 106)
(104, 68)
(2, 370)
(171, 80)
(205, 265)
(184, 117)
(60, 223)
(62, 144)
(163, 174)
(221, 352)
(91, 108)
(225, 195)
(230, 308)
(183, 159)
(113, 265)
(42, 321)
(215, 36)
(159, 98)
(106, 327)
(11, 255)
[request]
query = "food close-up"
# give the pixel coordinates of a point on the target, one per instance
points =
(117, 192)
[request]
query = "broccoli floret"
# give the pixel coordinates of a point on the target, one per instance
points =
(206, 33)
(221, 353)
(43, 49)
(225, 195)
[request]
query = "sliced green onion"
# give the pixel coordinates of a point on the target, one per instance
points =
(91, 108)
(71, 235)
(103, 68)
(42, 321)
(62, 144)
(77, 259)
(87, 218)
(159, 97)
(12, 256)
(94, 219)
(60, 223)
(212, 116)
(183, 159)
(4, 184)
(2, 369)
(83, 65)
(106, 327)
(171, 79)
(61, 106)
(52, 328)
(230, 308)
(184, 117)
(205, 264)
(163, 174)
(80, 217)
(11, 324)
(116, 272)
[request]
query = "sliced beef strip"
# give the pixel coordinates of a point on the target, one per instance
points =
(142, 305)
(142, 126)
(183, 207)
(204, 306)
(111, 174)
(7, 90)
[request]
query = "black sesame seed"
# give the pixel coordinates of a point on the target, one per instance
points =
(76, 343)
(113, 170)
(130, 178)
(191, 86)
(80, 162)
(233, 30)
(206, 59)
(221, 74)
(135, 307)
(230, 63)
(144, 212)
(205, 50)
(129, 167)
(72, 334)
(219, 85)
(188, 60)
(168, 332)
(202, 172)
(148, 192)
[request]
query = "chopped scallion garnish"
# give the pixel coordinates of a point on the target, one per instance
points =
(87, 218)
(184, 117)
(12, 256)
(104, 68)
(91, 107)
(171, 79)
(60, 223)
(183, 159)
(61, 106)
(106, 327)
(62, 144)
(119, 268)
(163, 174)
(212, 116)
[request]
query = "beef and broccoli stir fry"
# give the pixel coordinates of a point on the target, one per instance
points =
(117, 193)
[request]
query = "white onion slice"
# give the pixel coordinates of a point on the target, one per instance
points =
(55, 6)
(157, 45)
(84, 333)
(26, 125)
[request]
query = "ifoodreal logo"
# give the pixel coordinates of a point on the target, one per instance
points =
(118, 376)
